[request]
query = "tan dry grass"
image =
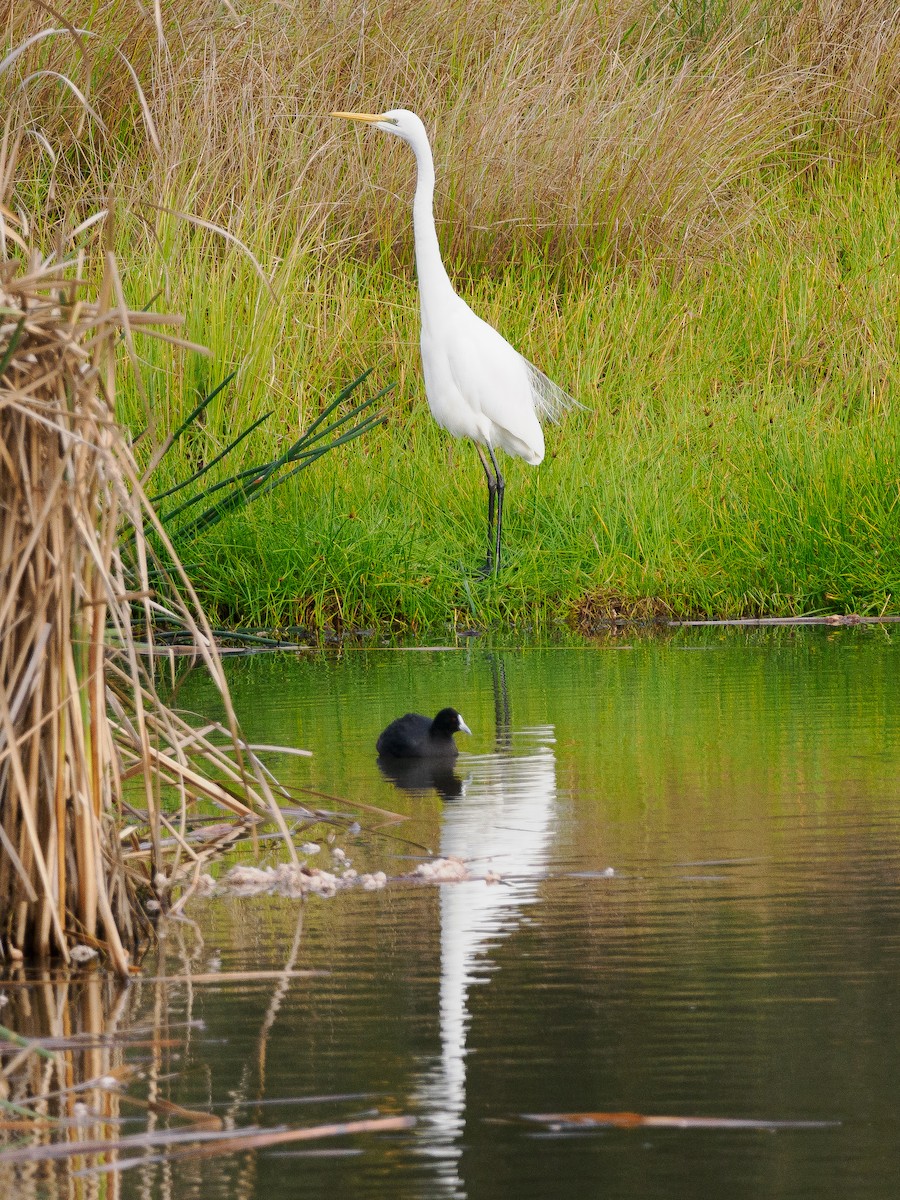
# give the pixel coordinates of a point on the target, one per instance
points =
(589, 128)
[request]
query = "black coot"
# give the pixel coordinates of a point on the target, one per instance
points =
(414, 736)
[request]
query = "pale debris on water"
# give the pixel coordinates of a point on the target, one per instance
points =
(82, 954)
(287, 879)
(443, 870)
(298, 880)
(371, 883)
(310, 848)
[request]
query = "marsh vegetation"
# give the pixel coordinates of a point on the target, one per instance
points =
(684, 213)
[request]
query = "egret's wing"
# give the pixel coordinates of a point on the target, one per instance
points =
(548, 400)
(492, 376)
(487, 379)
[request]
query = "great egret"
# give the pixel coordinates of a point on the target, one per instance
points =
(415, 736)
(478, 386)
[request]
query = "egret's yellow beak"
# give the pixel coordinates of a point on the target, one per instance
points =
(369, 118)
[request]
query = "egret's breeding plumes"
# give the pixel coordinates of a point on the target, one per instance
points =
(477, 385)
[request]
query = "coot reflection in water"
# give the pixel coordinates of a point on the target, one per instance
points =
(418, 776)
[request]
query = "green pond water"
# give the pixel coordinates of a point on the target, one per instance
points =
(698, 916)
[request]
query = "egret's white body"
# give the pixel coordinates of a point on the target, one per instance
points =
(478, 386)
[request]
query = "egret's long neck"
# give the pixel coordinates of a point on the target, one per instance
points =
(434, 283)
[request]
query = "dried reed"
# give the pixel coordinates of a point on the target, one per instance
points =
(79, 714)
(81, 1055)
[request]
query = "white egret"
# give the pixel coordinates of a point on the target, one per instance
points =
(478, 386)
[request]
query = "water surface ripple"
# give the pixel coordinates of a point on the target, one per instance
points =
(699, 916)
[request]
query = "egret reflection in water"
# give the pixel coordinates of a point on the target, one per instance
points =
(503, 822)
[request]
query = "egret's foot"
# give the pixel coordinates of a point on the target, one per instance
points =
(490, 567)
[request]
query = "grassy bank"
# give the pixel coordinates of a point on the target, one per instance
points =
(686, 216)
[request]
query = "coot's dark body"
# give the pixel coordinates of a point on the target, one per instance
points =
(415, 736)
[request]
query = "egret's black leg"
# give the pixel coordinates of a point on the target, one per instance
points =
(494, 483)
(499, 488)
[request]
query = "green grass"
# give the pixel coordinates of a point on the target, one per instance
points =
(740, 452)
(691, 227)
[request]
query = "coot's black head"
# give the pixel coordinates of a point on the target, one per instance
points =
(447, 722)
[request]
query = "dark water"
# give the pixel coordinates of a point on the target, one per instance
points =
(699, 916)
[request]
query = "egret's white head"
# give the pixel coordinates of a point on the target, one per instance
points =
(399, 121)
